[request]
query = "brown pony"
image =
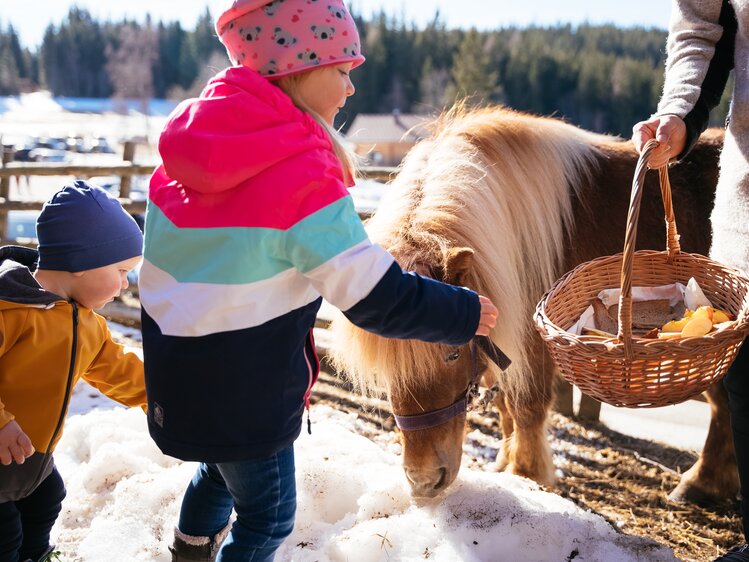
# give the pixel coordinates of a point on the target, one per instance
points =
(504, 203)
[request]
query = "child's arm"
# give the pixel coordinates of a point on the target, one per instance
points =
(15, 445)
(332, 249)
(117, 373)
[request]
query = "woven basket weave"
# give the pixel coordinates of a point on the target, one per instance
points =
(632, 371)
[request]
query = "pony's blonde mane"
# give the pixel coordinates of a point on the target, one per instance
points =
(493, 180)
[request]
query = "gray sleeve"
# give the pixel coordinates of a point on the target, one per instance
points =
(694, 31)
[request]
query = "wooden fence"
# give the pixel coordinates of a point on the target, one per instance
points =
(125, 170)
(589, 408)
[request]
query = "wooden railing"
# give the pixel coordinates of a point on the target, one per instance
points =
(125, 170)
(589, 408)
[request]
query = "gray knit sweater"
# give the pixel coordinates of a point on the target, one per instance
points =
(704, 42)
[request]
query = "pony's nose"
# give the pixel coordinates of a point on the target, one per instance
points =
(426, 483)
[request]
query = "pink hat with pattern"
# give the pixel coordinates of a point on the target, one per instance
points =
(284, 37)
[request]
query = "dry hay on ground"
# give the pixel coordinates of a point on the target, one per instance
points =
(626, 480)
(622, 478)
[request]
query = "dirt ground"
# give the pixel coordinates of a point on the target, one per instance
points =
(623, 479)
(626, 480)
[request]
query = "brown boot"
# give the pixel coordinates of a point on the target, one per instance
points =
(187, 548)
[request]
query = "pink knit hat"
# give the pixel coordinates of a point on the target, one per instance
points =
(284, 37)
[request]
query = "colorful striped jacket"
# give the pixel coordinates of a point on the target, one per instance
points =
(248, 224)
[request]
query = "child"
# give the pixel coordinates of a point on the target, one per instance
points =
(249, 221)
(49, 338)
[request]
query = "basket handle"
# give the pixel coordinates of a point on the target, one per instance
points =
(630, 239)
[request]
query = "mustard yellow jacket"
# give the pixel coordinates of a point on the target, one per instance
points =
(46, 345)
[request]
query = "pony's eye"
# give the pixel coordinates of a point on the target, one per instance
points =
(453, 356)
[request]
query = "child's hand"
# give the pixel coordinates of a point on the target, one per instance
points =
(15, 445)
(488, 319)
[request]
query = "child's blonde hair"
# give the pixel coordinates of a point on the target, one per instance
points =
(290, 85)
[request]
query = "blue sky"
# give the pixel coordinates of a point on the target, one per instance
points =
(31, 17)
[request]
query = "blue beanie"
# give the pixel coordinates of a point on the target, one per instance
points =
(82, 227)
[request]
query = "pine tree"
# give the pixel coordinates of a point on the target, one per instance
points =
(73, 57)
(472, 73)
(10, 83)
(129, 65)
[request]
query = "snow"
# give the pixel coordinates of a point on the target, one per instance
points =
(353, 501)
(41, 114)
(124, 496)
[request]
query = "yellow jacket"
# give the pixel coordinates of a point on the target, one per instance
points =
(46, 345)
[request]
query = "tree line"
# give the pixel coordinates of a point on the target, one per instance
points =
(602, 78)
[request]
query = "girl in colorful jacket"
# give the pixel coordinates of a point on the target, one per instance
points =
(249, 223)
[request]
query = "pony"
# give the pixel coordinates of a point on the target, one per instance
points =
(505, 202)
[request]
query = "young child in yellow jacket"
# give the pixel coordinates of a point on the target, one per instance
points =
(50, 337)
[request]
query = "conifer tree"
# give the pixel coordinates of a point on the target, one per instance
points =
(472, 72)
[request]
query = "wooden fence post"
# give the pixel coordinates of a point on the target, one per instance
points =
(128, 154)
(5, 181)
(590, 409)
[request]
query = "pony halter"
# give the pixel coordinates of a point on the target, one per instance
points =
(460, 406)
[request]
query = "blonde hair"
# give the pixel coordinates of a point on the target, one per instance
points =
(290, 86)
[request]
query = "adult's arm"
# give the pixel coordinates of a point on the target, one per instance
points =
(701, 41)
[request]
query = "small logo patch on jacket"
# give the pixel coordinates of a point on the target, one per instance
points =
(158, 415)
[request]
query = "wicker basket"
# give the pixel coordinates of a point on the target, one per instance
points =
(632, 371)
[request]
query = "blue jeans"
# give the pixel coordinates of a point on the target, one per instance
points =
(263, 494)
(25, 524)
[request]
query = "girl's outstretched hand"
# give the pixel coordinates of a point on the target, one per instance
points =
(488, 319)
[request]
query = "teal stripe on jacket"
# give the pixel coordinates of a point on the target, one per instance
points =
(242, 255)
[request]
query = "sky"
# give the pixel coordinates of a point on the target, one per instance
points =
(124, 496)
(483, 14)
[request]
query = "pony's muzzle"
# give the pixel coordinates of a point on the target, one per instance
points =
(427, 483)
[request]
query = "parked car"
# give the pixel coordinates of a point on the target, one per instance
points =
(21, 227)
(75, 143)
(54, 143)
(101, 145)
(138, 186)
(48, 155)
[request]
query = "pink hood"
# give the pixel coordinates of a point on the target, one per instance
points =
(240, 126)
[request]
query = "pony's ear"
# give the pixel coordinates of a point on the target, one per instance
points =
(458, 262)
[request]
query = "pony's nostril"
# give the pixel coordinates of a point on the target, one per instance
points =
(415, 477)
(441, 482)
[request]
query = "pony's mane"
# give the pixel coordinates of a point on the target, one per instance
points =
(494, 180)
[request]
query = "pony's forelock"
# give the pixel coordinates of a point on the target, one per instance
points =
(492, 180)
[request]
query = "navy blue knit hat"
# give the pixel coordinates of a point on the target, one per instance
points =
(82, 227)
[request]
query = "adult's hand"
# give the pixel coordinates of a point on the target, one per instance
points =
(669, 130)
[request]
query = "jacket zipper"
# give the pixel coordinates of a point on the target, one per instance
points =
(311, 374)
(71, 371)
(68, 384)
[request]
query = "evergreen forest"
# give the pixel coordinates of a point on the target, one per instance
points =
(602, 78)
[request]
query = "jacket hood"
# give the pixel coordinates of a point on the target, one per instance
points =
(239, 126)
(17, 284)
